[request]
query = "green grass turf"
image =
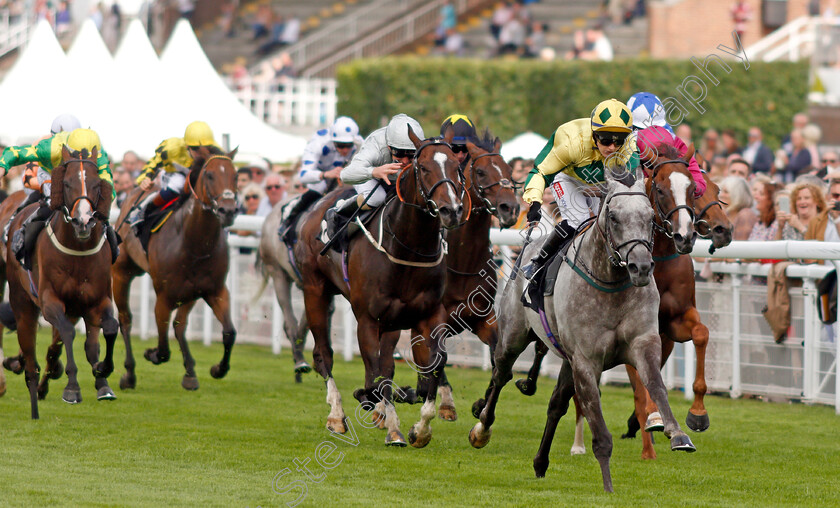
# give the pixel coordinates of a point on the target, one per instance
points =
(224, 444)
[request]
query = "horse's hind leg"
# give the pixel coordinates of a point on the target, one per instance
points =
(294, 332)
(317, 303)
(647, 360)
(558, 405)
(384, 387)
(220, 304)
(421, 432)
(190, 381)
(578, 446)
(163, 312)
(103, 319)
(53, 310)
(27, 321)
(54, 366)
(528, 386)
(121, 282)
(586, 386)
(697, 419)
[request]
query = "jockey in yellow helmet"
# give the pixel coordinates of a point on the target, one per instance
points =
(174, 156)
(572, 165)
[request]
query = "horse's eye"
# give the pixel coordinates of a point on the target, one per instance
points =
(612, 217)
(209, 176)
(660, 190)
(480, 172)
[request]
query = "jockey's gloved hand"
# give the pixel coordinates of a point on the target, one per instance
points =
(535, 212)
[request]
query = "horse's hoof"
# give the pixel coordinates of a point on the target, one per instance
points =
(105, 393)
(218, 372)
(128, 381)
(479, 437)
(302, 368)
(682, 443)
(540, 468)
(190, 383)
(13, 364)
(57, 371)
(155, 356)
(336, 425)
(629, 435)
(71, 396)
(697, 423)
(526, 387)
(417, 440)
(395, 438)
(360, 395)
(447, 413)
(2, 389)
(378, 419)
(298, 377)
(101, 370)
(478, 407)
(43, 390)
(654, 423)
(405, 395)
(649, 455)
(578, 450)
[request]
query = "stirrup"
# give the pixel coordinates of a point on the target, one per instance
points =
(528, 271)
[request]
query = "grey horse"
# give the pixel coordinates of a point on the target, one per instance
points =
(603, 313)
(275, 263)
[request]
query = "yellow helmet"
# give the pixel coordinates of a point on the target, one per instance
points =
(84, 139)
(612, 115)
(198, 134)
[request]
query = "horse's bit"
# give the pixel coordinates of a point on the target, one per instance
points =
(213, 205)
(480, 190)
(613, 251)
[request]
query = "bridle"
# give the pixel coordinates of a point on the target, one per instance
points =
(480, 190)
(699, 218)
(613, 250)
(666, 227)
(429, 206)
(66, 214)
(213, 206)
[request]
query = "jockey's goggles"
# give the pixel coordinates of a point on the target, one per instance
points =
(610, 138)
(459, 148)
(341, 146)
(399, 153)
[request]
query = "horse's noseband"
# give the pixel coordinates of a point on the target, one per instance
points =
(613, 250)
(666, 227)
(213, 206)
(67, 214)
(480, 190)
(429, 204)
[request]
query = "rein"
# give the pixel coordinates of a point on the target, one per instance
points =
(666, 226)
(480, 190)
(67, 215)
(429, 206)
(377, 244)
(699, 218)
(213, 205)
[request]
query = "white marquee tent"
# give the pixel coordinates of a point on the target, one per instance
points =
(526, 145)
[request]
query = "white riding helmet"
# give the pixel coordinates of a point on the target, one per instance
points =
(65, 123)
(397, 135)
(345, 130)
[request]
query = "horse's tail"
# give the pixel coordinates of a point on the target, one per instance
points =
(259, 265)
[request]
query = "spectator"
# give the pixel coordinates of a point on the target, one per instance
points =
(798, 161)
(763, 192)
(252, 195)
(454, 44)
(718, 167)
(739, 167)
(291, 32)
(812, 134)
(186, 8)
(262, 21)
(823, 227)
(806, 202)
(741, 14)
(830, 165)
(535, 43)
(275, 192)
(502, 14)
(283, 69)
(756, 153)
(297, 187)
(243, 178)
(258, 171)
(132, 164)
(735, 191)
(709, 148)
(123, 185)
(602, 50)
(448, 20)
(62, 19)
(730, 143)
(684, 133)
(512, 36)
(278, 25)
(228, 18)
(800, 120)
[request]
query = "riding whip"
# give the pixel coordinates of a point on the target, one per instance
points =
(332, 240)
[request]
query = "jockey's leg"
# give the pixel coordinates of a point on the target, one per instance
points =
(40, 214)
(343, 211)
(306, 199)
(172, 185)
(31, 198)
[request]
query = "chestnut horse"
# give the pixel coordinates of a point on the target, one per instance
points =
(187, 260)
(70, 278)
(393, 277)
(7, 209)
(470, 269)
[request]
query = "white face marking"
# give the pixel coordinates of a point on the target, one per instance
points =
(498, 169)
(441, 158)
(679, 185)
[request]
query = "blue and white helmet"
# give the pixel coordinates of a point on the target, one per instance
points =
(344, 130)
(648, 111)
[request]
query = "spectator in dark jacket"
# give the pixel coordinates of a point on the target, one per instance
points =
(800, 159)
(757, 153)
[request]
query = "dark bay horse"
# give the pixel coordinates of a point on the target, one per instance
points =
(187, 260)
(470, 270)
(70, 278)
(7, 209)
(394, 281)
(602, 314)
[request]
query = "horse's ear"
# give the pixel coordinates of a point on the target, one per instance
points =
(66, 154)
(449, 134)
(232, 153)
(474, 150)
(689, 153)
(497, 145)
(413, 137)
(94, 154)
(699, 158)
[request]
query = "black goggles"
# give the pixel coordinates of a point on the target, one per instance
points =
(610, 138)
(459, 148)
(343, 145)
(399, 153)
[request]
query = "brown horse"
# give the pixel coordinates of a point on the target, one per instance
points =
(187, 260)
(70, 278)
(470, 270)
(7, 209)
(394, 281)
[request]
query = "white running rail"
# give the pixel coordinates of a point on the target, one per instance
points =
(13, 34)
(301, 102)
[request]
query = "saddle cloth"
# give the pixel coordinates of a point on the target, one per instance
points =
(154, 218)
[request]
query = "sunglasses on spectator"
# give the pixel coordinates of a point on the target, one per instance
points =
(835, 197)
(616, 138)
(459, 148)
(829, 160)
(273, 187)
(399, 153)
(343, 145)
(252, 196)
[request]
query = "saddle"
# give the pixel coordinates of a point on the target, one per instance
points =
(542, 284)
(346, 233)
(154, 218)
(30, 237)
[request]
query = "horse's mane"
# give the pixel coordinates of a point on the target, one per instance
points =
(667, 151)
(487, 141)
(205, 152)
(103, 203)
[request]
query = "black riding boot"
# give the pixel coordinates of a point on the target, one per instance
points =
(337, 217)
(306, 199)
(41, 214)
(558, 239)
(32, 197)
(114, 241)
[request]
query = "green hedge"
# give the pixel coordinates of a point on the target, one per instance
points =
(511, 97)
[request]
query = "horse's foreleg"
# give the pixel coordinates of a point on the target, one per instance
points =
(384, 385)
(221, 309)
(645, 356)
(557, 408)
(316, 304)
(368, 335)
(586, 377)
(163, 312)
(435, 332)
(296, 335)
(578, 445)
(641, 398)
(102, 318)
(528, 386)
(122, 285)
(27, 324)
(53, 310)
(190, 381)
(54, 366)
(697, 419)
